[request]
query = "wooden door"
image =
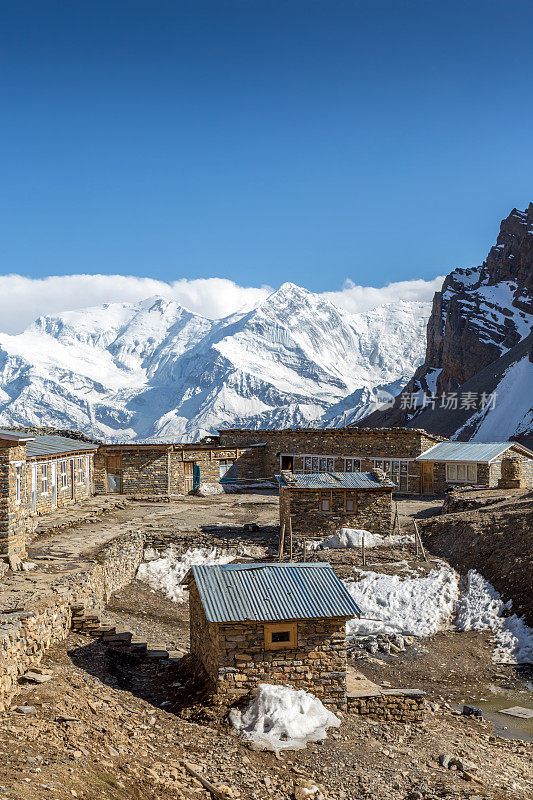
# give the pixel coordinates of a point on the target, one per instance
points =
(427, 477)
(188, 476)
(114, 472)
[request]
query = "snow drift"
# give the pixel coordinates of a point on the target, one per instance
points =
(481, 608)
(281, 718)
(411, 606)
(353, 537)
(165, 571)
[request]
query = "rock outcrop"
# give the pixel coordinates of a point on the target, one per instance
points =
(479, 316)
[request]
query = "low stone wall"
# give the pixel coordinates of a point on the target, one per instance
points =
(27, 633)
(392, 705)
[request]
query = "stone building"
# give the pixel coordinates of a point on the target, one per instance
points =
(279, 623)
(167, 468)
(473, 463)
(324, 502)
(307, 450)
(38, 473)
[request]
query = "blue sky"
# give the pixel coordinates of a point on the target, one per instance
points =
(262, 141)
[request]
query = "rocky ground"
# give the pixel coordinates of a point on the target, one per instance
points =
(103, 727)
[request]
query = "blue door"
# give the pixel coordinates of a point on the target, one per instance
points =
(196, 477)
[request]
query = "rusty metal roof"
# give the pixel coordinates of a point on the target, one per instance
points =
(271, 592)
(333, 480)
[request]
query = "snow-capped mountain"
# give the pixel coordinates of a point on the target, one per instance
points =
(479, 342)
(155, 370)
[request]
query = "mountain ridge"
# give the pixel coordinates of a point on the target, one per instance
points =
(153, 369)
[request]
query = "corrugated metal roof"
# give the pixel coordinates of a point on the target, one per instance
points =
(15, 435)
(334, 480)
(467, 451)
(52, 445)
(271, 592)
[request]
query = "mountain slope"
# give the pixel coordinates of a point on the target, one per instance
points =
(478, 340)
(156, 370)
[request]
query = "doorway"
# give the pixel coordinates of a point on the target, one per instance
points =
(287, 462)
(114, 473)
(427, 477)
(188, 476)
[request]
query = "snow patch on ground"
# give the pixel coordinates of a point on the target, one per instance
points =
(417, 606)
(281, 718)
(481, 608)
(165, 571)
(353, 537)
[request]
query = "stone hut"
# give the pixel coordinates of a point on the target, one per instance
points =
(350, 449)
(480, 464)
(38, 474)
(169, 468)
(274, 623)
(321, 504)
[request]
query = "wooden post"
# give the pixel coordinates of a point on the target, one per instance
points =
(363, 552)
(290, 540)
(305, 550)
(281, 541)
(419, 542)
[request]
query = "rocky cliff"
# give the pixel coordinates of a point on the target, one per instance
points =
(480, 316)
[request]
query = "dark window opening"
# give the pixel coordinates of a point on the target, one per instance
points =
(281, 636)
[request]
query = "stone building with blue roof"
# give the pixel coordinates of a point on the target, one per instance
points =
(318, 504)
(274, 623)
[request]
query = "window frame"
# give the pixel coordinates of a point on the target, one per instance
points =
(350, 498)
(80, 472)
(44, 479)
(468, 466)
(280, 627)
(18, 484)
(63, 474)
(322, 498)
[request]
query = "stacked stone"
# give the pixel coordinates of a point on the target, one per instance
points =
(363, 443)
(373, 509)
(235, 659)
(24, 637)
(511, 474)
(391, 705)
(27, 633)
(14, 522)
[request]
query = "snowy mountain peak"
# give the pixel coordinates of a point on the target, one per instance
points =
(153, 369)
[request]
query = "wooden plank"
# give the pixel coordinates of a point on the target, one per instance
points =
(290, 540)
(419, 542)
(281, 541)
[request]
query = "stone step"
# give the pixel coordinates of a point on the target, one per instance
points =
(157, 652)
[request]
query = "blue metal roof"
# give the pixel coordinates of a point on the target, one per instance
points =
(271, 592)
(334, 480)
(46, 445)
(469, 451)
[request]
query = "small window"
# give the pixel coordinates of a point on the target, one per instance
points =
(79, 469)
(472, 472)
(461, 473)
(18, 483)
(281, 636)
(63, 475)
(349, 505)
(44, 479)
(325, 504)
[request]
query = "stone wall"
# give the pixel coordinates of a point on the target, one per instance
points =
(235, 659)
(204, 639)
(373, 510)
(143, 469)
(13, 514)
(74, 489)
(26, 634)
(393, 705)
(360, 443)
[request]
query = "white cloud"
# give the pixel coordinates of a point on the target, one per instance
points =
(22, 299)
(363, 298)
